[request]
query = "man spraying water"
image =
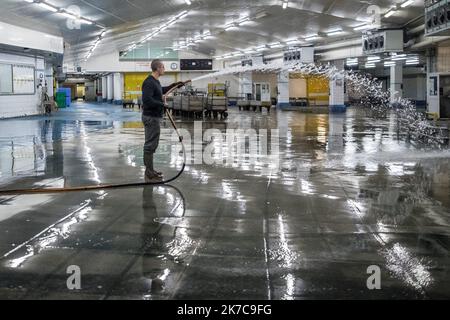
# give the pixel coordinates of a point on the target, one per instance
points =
(153, 110)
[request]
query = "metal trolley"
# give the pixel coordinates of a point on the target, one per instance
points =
(193, 105)
(216, 105)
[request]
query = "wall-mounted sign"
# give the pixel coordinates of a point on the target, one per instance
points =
(196, 64)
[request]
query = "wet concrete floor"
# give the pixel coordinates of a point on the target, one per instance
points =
(347, 193)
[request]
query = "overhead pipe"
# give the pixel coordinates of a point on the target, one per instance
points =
(428, 42)
(337, 45)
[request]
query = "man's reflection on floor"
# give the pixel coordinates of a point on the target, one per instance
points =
(152, 241)
(160, 245)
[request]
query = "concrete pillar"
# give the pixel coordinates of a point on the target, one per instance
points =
(283, 89)
(337, 95)
(104, 89)
(110, 92)
(336, 135)
(118, 88)
(396, 82)
(49, 79)
(97, 88)
(245, 84)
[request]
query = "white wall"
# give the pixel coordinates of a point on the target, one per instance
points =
(90, 94)
(21, 105)
(49, 79)
(338, 54)
(270, 78)
(297, 88)
(109, 62)
(28, 38)
(415, 87)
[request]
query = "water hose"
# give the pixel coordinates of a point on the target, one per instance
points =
(112, 186)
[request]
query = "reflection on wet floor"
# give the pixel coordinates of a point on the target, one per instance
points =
(347, 193)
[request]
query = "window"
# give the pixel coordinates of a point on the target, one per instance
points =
(23, 79)
(17, 79)
(6, 82)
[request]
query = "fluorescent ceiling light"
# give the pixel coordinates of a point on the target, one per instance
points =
(399, 58)
(275, 45)
(82, 20)
(334, 33)
(29, 1)
(206, 35)
(370, 66)
(373, 58)
(261, 48)
(230, 26)
(309, 38)
(390, 13)
(48, 7)
(285, 4)
(362, 27)
(244, 21)
(293, 41)
(68, 15)
(407, 3)
(183, 16)
(188, 2)
(182, 13)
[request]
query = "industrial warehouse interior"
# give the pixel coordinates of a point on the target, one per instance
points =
(224, 150)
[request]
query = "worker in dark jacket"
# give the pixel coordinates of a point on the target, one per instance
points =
(153, 110)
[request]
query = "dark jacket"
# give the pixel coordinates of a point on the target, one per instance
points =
(152, 97)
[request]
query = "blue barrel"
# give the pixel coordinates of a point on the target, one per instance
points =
(68, 93)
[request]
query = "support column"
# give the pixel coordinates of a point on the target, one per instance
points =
(104, 89)
(336, 135)
(283, 89)
(433, 82)
(110, 93)
(49, 79)
(118, 88)
(246, 84)
(337, 96)
(396, 83)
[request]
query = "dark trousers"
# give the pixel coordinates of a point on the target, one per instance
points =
(152, 126)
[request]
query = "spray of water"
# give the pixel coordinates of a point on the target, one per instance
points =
(369, 90)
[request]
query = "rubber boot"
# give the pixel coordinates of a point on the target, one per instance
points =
(150, 174)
